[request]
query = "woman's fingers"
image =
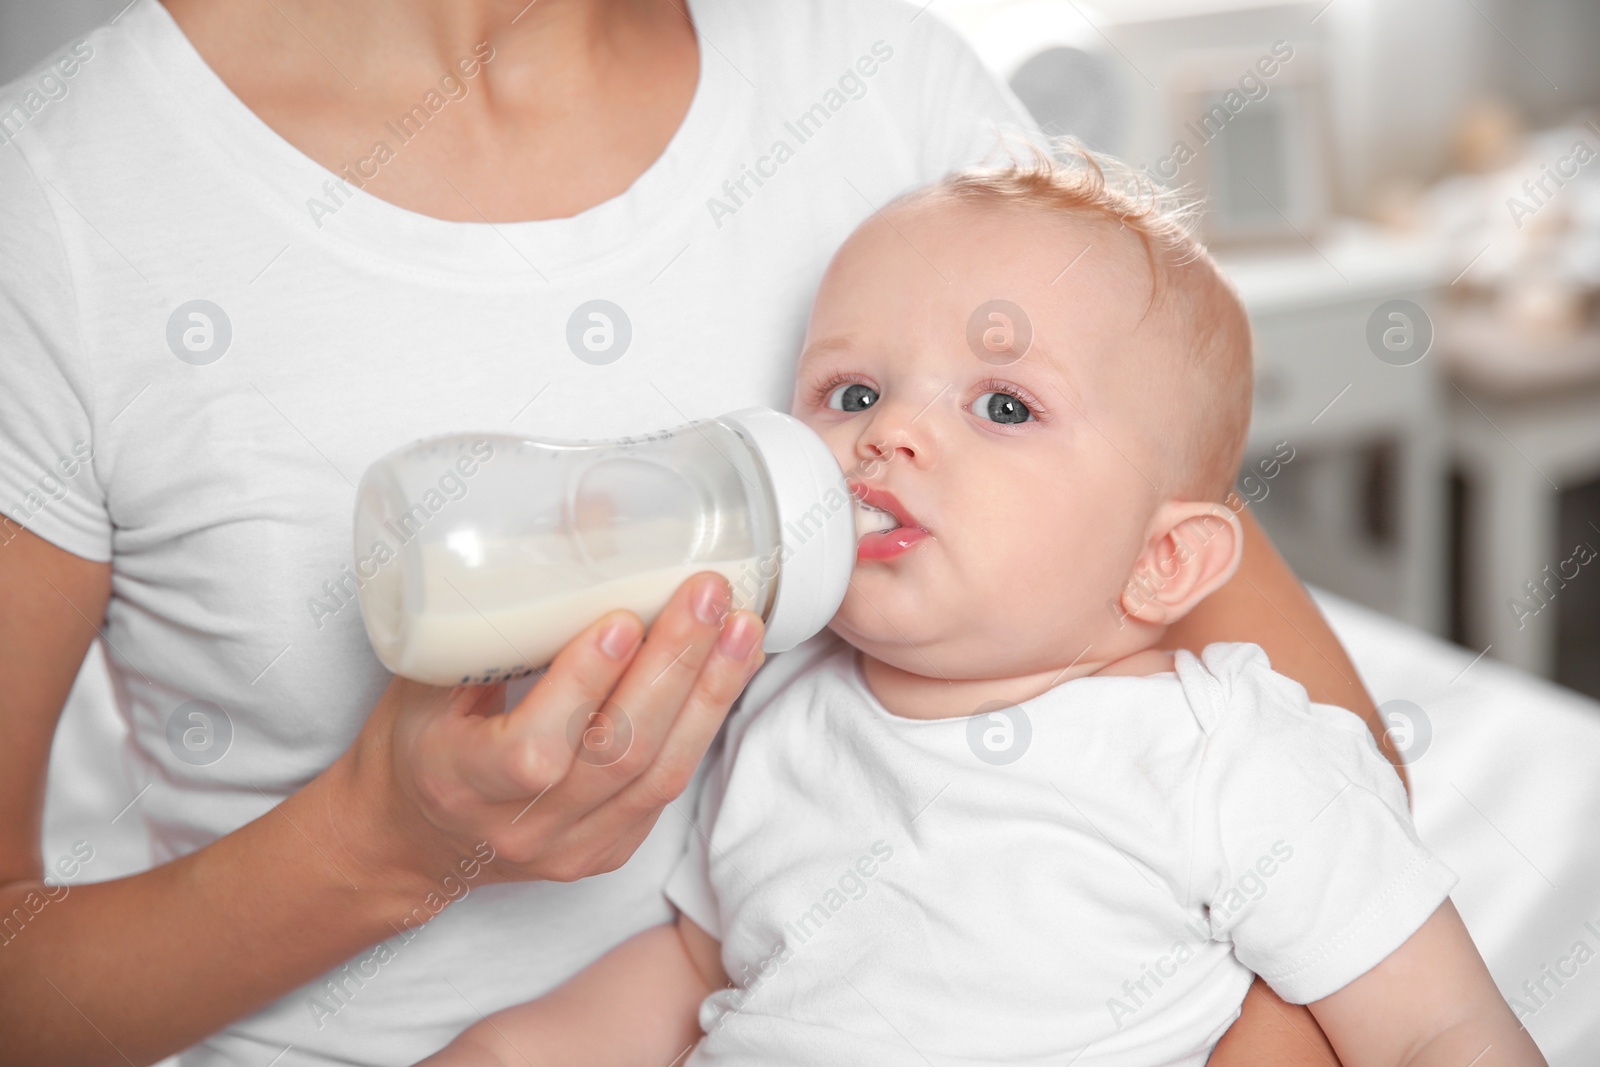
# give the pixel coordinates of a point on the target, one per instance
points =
(604, 705)
(735, 657)
(620, 823)
(651, 694)
(522, 753)
(621, 738)
(568, 782)
(478, 701)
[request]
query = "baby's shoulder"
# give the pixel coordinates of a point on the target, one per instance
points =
(1264, 732)
(1231, 687)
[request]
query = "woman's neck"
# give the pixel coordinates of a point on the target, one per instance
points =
(534, 111)
(382, 45)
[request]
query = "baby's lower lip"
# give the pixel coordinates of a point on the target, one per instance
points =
(889, 543)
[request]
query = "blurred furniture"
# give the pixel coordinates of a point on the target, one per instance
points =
(1258, 123)
(1525, 421)
(1322, 390)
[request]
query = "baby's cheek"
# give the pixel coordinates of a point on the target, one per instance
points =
(1007, 552)
(1039, 549)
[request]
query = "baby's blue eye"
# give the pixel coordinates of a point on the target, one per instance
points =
(852, 396)
(1002, 408)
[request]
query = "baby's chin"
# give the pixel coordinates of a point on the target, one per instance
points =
(955, 645)
(871, 633)
(955, 654)
(905, 608)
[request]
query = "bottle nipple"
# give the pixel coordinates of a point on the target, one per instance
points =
(871, 520)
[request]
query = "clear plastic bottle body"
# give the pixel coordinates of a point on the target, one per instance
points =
(480, 556)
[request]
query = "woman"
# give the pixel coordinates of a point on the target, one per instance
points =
(261, 242)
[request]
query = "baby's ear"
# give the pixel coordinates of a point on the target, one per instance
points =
(1191, 550)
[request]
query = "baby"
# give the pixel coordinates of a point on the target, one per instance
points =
(995, 823)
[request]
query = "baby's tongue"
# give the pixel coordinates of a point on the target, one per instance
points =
(872, 520)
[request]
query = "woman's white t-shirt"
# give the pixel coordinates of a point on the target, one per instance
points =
(206, 337)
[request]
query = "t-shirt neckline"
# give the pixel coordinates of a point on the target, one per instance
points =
(286, 177)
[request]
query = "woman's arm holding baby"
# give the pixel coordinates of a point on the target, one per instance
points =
(1271, 1030)
(1265, 604)
(639, 1003)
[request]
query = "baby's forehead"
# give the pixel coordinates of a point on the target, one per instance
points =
(1015, 221)
(1044, 258)
(1064, 267)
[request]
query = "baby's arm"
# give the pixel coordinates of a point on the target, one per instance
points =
(639, 1003)
(1430, 1001)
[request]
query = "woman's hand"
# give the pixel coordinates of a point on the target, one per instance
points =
(113, 973)
(571, 780)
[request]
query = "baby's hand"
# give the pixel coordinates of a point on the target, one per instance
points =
(468, 1050)
(655, 979)
(1430, 1001)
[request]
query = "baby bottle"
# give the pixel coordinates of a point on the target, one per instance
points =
(478, 556)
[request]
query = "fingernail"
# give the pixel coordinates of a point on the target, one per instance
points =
(618, 639)
(737, 638)
(711, 602)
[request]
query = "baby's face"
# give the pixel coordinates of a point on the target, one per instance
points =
(1017, 481)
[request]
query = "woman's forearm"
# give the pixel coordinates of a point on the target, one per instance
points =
(211, 936)
(1270, 1031)
(1265, 604)
(133, 969)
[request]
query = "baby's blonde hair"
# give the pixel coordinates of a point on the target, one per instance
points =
(1210, 392)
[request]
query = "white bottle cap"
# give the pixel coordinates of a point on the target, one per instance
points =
(816, 524)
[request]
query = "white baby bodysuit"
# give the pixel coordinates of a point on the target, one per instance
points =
(1090, 877)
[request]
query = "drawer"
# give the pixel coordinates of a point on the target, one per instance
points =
(1316, 377)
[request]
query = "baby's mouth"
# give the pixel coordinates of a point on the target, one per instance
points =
(885, 530)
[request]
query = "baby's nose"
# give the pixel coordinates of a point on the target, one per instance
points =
(894, 443)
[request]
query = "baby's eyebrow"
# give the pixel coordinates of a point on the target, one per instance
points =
(1043, 362)
(827, 344)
